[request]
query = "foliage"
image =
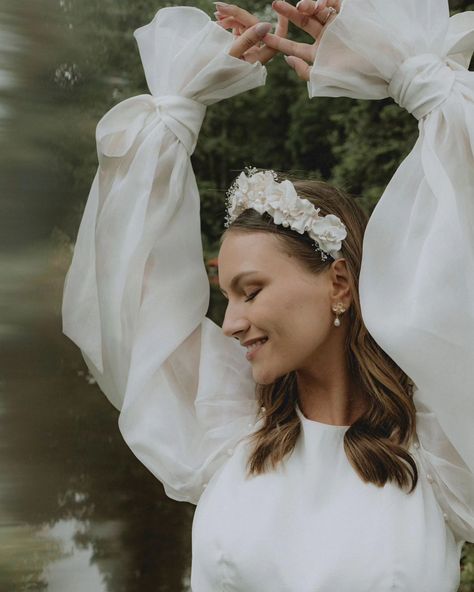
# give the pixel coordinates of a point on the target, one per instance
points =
(467, 568)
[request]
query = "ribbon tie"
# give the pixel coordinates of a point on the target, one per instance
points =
(422, 83)
(119, 128)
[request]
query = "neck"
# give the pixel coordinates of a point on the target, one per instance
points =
(330, 395)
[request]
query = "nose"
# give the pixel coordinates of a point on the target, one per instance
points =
(234, 322)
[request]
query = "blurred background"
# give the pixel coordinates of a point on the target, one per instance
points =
(78, 512)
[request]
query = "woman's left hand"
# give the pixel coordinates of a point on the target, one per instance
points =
(229, 16)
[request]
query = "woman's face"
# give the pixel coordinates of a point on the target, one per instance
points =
(272, 296)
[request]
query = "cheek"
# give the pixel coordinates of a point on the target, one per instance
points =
(310, 313)
(308, 322)
(297, 317)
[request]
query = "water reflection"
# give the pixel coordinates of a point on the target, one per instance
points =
(78, 569)
(75, 570)
(79, 512)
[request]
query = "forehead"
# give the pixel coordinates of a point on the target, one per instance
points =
(241, 251)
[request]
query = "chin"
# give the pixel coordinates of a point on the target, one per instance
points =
(266, 377)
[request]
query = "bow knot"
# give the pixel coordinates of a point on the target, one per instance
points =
(118, 130)
(422, 83)
(183, 117)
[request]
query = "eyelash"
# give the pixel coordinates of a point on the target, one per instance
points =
(252, 296)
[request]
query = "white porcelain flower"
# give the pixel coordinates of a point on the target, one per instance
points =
(260, 190)
(330, 233)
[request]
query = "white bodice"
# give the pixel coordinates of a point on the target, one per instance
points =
(313, 524)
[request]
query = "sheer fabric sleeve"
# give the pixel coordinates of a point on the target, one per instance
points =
(137, 292)
(417, 275)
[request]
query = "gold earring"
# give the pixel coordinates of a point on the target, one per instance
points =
(339, 310)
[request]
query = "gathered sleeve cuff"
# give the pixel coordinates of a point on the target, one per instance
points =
(451, 479)
(137, 292)
(417, 274)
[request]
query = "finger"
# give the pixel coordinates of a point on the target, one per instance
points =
(250, 38)
(265, 54)
(323, 10)
(227, 23)
(301, 68)
(310, 7)
(326, 15)
(239, 14)
(282, 26)
(304, 21)
(307, 7)
(293, 48)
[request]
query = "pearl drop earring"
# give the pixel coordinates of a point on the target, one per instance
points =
(339, 310)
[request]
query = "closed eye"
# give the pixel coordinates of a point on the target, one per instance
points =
(252, 296)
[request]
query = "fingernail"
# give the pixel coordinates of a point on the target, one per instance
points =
(263, 28)
(290, 61)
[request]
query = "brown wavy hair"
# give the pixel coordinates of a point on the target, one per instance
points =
(376, 443)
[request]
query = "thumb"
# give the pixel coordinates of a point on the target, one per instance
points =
(251, 37)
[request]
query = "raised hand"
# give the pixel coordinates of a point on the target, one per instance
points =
(312, 17)
(242, 22)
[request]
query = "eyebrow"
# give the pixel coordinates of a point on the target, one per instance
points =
(236, 280)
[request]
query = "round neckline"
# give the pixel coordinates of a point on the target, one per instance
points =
(329, 426)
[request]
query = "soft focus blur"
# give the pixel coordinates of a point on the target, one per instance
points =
(78, 512)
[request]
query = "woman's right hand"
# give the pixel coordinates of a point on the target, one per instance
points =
(310, 16)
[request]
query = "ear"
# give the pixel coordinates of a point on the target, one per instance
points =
(340, 284)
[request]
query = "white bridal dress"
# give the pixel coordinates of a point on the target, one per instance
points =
(137, 293)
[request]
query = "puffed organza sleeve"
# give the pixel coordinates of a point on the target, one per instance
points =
(137, 292)
(417, 276)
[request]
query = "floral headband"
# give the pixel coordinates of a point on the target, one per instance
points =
(260, 191)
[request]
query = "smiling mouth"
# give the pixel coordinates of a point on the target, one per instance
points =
(254, 347)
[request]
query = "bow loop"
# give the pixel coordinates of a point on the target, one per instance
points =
(118, 129)
(422, 83)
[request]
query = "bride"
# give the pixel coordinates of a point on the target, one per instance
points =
(325, 431)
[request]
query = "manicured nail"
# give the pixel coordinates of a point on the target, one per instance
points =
(290, 61)
(263, 28)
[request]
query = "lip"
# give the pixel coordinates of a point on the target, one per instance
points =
(251, 354)
(250, 341)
